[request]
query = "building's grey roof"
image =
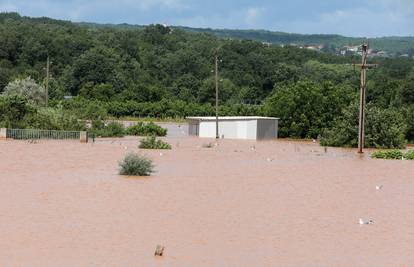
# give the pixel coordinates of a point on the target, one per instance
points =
(230, 118)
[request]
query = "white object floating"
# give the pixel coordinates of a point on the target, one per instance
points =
(125, 147)
(314, 140)
(269, 160)
(252, 148)
(379, 187)
(362, 222)
(161, 154)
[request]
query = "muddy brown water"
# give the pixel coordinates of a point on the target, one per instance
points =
(278, 203)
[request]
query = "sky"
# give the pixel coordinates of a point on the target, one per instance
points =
(362, 18)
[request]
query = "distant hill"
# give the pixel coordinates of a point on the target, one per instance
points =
(387, 46)
(393, 46)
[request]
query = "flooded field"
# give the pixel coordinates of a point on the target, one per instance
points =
(241, 204)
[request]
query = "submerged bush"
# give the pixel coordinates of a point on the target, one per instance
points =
(136, 165)
(112, 129)
(153, 143)
(146, 129)
(409, 155)
(388, 154)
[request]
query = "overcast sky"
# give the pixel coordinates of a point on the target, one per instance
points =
(364, 18)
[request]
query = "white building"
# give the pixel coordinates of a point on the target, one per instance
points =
(252, 128)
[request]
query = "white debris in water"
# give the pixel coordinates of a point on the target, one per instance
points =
(364, 222)
(269, 159)
(161, 154)
(379, 187)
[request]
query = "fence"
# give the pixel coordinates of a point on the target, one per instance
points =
(34, 134)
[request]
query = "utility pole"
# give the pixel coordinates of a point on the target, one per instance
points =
(47, 80)
(217, 99)
(362, 98)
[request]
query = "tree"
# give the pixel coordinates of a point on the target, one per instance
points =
(27, 88)
(385, 128)
(305, 108)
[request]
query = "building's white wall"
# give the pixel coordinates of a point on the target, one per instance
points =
(252, 129)
(241, 129)
(207, 129)
(229, 129)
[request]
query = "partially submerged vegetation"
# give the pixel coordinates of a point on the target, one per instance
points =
(152, 142)
(146, 129)
(112, 129)
(393, 154)
(134, 164)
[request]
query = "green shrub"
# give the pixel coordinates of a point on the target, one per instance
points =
(14, 110)
(153, 143)
(388, 154)
(112, 129)
(54, 119)
(136, 165)
(409, 155)
(146, 129)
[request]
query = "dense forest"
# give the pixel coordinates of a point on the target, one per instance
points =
(160, 71)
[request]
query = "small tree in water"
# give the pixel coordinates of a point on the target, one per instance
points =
(136, 165)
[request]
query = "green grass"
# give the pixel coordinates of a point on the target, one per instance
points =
(136, 165)
(152, 142)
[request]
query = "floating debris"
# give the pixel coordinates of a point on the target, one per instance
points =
(362, 222)
(159, 251)
(209, 145)
(379, 187)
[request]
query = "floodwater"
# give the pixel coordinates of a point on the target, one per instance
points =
(241, 204)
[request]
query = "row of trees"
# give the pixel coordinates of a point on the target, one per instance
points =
(158, 71)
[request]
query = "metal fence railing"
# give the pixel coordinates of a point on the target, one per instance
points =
(31, 134)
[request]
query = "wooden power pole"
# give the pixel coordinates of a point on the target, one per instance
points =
(362, 99)
(217, 99)
(47, 80)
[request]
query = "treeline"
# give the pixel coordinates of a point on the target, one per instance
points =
(165, 72)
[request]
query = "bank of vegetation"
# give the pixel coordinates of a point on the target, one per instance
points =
(161, 72)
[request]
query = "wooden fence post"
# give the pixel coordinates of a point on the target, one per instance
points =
(83, 137)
